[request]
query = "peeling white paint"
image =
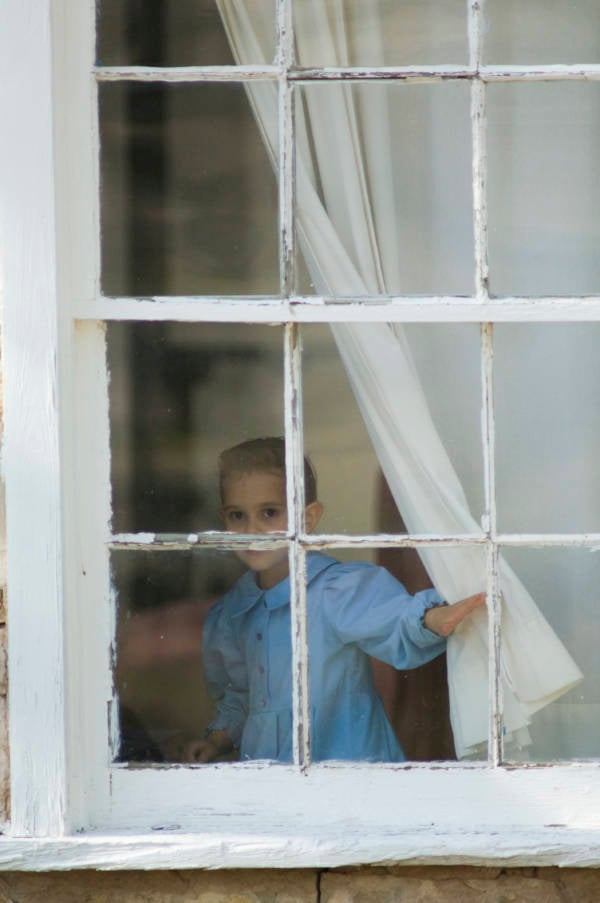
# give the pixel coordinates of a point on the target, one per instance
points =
(248, 814)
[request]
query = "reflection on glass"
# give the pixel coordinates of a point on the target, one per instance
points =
(378, 679)
(544, 189)
(548, 427)
(162, 603)
(380, 32)
(384, 188)
(188, 196)
(179, 394)
(564, 583)
(542, 32)
(447, 362)
(185, 33)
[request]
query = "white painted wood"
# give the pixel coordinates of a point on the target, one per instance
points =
(424, 845)
(495, 741)
(188, 74)
(240, 815)
(32, 462)
(418, 309)
(377, 799)
(174, 542)
(185, 74)
(295, 496)
(90, 616)
(86, 496)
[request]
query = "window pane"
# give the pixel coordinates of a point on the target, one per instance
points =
(447, 390)
(163, 600)
(161, 33)
(180, 394)
(363, 626)
(544, 188)
(564, 584)
(188, 196)
(384, 188)
(540, 31)
(548, 427)
(380, 32)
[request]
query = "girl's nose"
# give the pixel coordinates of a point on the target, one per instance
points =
(255, 525)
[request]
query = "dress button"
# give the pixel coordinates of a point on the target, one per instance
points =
(263, 702)
(259, 636)
(261, 670)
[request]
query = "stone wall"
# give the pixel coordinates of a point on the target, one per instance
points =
(397, 885)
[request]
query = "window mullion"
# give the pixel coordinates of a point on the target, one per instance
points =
(479, 162)
(493, 593)
(295, 501)
(480, 235)
(285, 52)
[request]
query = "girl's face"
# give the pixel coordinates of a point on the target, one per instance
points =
(256, 503)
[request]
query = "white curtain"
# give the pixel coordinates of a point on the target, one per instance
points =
(349, 234)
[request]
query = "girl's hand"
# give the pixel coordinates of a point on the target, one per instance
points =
(445, 618)
(208, 749)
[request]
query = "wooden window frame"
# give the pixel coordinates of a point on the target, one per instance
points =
(70, 807)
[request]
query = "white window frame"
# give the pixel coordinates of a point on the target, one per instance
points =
(69, 806)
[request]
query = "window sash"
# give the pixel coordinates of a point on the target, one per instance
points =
(60, 701)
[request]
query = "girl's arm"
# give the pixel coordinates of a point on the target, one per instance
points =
(444, 619)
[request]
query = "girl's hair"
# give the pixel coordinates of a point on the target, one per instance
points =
(266, 455)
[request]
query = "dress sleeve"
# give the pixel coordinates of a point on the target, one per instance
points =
(225, 673)
(365, 605)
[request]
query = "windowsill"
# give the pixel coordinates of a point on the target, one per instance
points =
(346, 845)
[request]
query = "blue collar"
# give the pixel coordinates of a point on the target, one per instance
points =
(247, 592)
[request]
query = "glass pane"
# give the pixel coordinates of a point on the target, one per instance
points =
(188, 194)
(542, 32)
(380, 32)
(184, 33)
(548, 427)
(180, 393)
(544, 188)
(564, 583)
(446, 389)
(384, 188)
(161, 674)
(378, 679)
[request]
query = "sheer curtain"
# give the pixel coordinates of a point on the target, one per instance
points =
(348, 224)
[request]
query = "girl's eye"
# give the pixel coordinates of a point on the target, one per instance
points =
(270, 512)
(234, 516)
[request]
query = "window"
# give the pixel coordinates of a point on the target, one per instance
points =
(468, 106)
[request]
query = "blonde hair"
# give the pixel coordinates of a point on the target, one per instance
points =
(265, 455)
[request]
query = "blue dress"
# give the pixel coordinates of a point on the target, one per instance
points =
(355, 610)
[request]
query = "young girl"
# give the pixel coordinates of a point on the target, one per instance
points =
(355, 610)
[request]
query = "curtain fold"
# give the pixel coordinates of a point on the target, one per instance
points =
(348, 231)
